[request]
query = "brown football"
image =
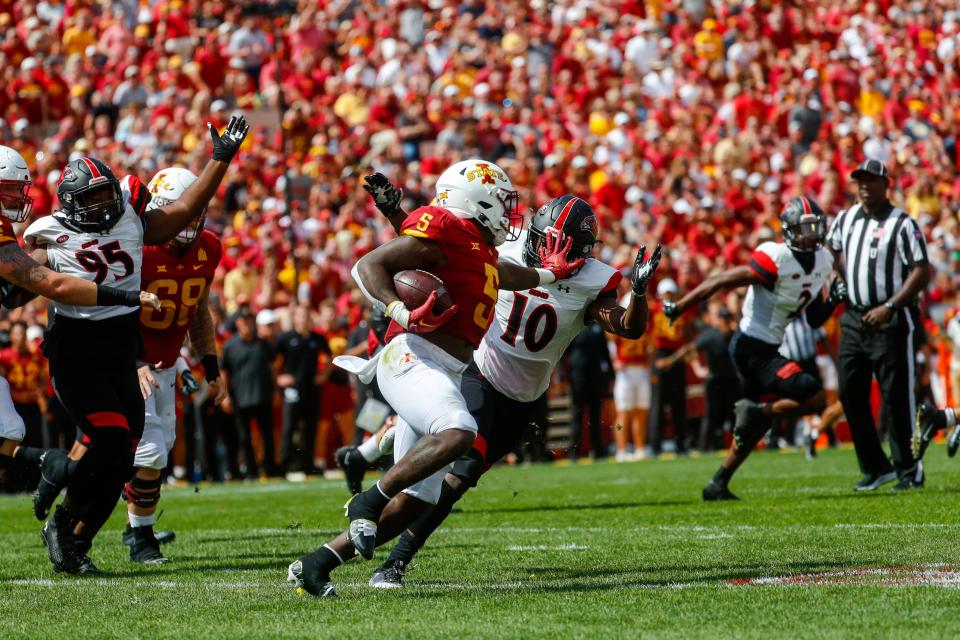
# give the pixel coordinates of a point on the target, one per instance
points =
(413, 286)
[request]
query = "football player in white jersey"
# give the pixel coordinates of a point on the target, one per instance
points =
(784, 278)
(99, 234)
(511, 369)
(20, 273)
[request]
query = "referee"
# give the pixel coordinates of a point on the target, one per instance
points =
(882, 255)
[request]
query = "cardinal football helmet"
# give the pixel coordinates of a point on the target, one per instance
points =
(166, 187)
(15, 200)
(481, 190)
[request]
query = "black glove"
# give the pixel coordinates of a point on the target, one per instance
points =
(670, 310)
(385, 195)
(188, 384)
(643, 271)
(838, 291)
(225, 146)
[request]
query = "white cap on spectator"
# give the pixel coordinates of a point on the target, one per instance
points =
(218, 105)
(28, 64)
(754, 180)
(844, 129)
(665, 286)
(811, 74)
(34, 333)
(131, 71)
(865, 126)
(682, 207)
(688, 93)
(621, 118)
(772, 185)
(551, 160)
(634, 194)
(266, 316)
(707, 202)
(20, 125)
(481, 90)
(739, 174)
(579, 162)
(450, 90)
(518, 62)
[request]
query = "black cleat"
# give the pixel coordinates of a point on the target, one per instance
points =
(929, 422)
(307, 578)
(812, 438)
(714, 492)
(750, 423)
(363, 516)
(389, 575)
(145, 548)
(86, 564)
(953, 441)
(163, 537)
(53, 478)
(63, 548)
(354, 467)
(871, 482)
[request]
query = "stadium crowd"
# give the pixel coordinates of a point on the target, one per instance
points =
(684, 122)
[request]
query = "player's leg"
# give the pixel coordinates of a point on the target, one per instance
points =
(894, 358)
(12, 432)
(244, 418)
(291, 423)
(641, 416)
(624, 402)
(143, 490)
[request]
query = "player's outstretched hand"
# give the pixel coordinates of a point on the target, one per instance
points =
(226, 145)
(386, 195)
(422, 319)
(553, 256)
(149, 300)
(643, 270)
(188, 384)
(147, 382)
(671, 310)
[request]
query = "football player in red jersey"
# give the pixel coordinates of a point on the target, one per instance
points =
(419, 371)
(20, 273)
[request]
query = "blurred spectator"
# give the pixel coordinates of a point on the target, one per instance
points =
(668, 377)
(591, 371)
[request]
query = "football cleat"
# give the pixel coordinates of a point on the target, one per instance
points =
(145, 548)
(354, 467)
(389, 575)
(750, 424)
(86, 564)
(929, 422)
(163, 537)
(714, 491)
(303, 583)
(363, 525)
(63, 547)
(871, 482)
(53, 478)
(953, 442)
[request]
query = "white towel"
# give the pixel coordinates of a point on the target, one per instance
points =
(365, 369)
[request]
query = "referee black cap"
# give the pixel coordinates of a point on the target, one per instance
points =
(870, 167)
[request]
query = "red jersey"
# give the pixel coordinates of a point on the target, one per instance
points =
(633, 352)
(180, 283)
(24, 372)
(7, 235)
(667, 336)
(470, 274)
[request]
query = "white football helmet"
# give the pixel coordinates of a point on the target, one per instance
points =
(166, 187)
(15, 200)
(482, 191)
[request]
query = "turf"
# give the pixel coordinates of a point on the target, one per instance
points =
(592, 550)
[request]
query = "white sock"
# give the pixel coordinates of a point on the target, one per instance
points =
(370, 450)
(142, 521)
(951, 417)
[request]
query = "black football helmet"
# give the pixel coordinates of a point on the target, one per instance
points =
(90, 196)
(569, 214)
(804, 225)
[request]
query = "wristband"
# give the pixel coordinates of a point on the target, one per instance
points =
(889, 305)
(546, 276)
(111, 297)
(211, 370)
(399, 313)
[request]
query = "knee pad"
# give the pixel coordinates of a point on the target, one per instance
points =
(143, 493)
(468, 470)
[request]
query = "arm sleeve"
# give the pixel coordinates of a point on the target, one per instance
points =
(137, 194)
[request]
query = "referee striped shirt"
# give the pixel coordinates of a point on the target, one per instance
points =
(800, 340)
(878, 252)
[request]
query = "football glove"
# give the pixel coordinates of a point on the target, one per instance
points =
(422, 319)
(644, 270)
(838, 291)
(188, 384)
(553, 256)
(226, 145)
(386, 196)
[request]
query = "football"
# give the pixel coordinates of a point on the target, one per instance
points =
(413, 286)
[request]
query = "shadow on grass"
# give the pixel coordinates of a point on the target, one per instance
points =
(588, 506)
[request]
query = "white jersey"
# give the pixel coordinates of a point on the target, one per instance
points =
(786, 290)
(533, 328)
(112, 258)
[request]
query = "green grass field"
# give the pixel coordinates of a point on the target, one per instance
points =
(591, 551)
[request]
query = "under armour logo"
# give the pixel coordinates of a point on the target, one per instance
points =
(563, 288)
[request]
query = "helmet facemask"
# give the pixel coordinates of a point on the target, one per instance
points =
(95, 208)
(15, 201)
(806, 235)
